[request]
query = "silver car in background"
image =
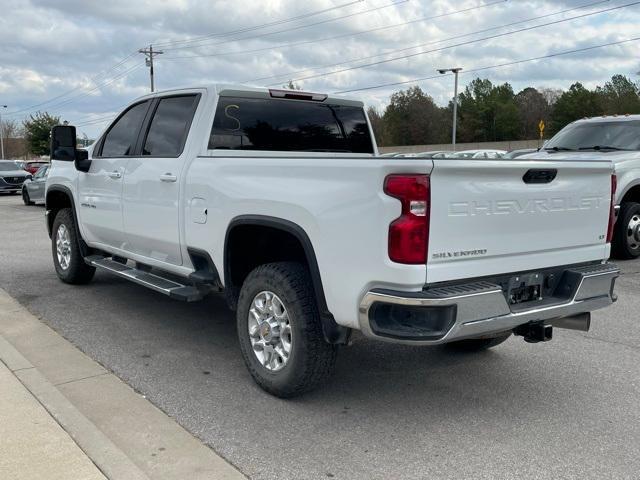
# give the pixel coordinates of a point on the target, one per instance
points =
(33, 189)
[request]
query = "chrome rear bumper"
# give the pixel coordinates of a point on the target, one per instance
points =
(480, 308)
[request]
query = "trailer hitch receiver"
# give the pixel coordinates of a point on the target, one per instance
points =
(535, 332)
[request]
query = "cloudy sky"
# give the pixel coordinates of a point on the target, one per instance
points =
(78, 58)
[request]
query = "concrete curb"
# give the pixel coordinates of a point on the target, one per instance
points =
(124, 435)
(110, 460)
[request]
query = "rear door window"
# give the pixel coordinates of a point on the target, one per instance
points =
(120, 140)
(170, 126)
(289, 125)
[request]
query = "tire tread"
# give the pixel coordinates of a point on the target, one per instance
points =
(78, 273)
(318, 356)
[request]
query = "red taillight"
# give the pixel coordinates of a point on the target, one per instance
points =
(409, 233)
(612, 212)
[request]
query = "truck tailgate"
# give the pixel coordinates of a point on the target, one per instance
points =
(485, 219)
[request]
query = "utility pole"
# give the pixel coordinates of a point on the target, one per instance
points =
(149, 54)
(2, 132)
(455, 72)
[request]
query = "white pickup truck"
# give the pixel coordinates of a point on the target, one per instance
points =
(615, 138)
(278, 200)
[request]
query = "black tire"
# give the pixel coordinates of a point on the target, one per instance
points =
(77, 272)
(311, 360)
(25, 197)
(620, 248)
(477, 344)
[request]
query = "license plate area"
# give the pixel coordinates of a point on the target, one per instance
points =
(525, 288)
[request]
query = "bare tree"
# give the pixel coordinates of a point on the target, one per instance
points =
(551, 95)
(10, 129)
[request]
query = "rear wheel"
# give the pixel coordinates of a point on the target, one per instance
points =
(65, 246)
(25, 197)
(478, 344)
(279, 330)
(626, 237)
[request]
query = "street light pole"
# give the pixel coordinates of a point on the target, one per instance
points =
(2, 132)
(455, 72)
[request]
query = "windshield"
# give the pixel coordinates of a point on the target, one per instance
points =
(623, 135)
(8, 167)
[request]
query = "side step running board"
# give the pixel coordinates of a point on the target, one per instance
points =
(153, 281)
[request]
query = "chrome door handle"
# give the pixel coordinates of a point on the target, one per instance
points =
(115, 174)
(168, 177)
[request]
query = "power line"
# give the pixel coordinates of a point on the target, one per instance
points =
(506, 64)
(455, 37)
(103, 84)
(345, 35)
(299, 27)
(95, 122)
(324, 74)
(258, 27)
(64, 94)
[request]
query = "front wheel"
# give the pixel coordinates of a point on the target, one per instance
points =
(65, 246)
(25, 197)
(626, 236)
(478, 344)
(280, 332)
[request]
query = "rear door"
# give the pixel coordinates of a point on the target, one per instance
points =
(152, 185)
(100, 189)
(501, 216)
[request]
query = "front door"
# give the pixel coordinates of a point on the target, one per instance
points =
(36, 187)
(100, 189)
(152, 182)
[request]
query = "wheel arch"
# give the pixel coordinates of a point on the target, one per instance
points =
(57, 198)
(631, 194)
(333, 333)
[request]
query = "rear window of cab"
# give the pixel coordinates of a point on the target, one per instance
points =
(289, 125)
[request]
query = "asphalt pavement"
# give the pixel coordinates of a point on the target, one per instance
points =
(565, 409)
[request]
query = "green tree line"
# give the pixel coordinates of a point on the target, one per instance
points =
(488, 112)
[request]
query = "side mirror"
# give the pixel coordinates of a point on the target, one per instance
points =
(63, 147)
(82, 161)
(63, 143)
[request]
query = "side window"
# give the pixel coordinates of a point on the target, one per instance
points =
(121, 137)
(170, 125)
(41, 172)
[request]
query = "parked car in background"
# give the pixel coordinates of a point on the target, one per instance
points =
(429, 154)
(444, 155)
(485, 153)
(614, 138)
(518, 153)
(11, 177)
(19, 164)
(33, 189)
(32, 167)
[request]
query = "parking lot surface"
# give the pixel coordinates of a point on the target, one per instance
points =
(566, 409)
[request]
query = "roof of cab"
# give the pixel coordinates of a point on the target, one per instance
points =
(230, 89)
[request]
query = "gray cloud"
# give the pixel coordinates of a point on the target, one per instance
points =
(51, 47)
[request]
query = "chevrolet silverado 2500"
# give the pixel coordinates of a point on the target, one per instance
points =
(278, 200)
